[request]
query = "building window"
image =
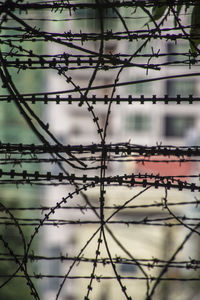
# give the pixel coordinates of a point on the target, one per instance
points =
(177, 52)
(181, 87)
(90, 17)
(54, 267)
(127, 268)
(140, 51)
(177, 126)
(70, 297)
(143, 88)
(138, 122)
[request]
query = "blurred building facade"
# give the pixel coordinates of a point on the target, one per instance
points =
(146, 124)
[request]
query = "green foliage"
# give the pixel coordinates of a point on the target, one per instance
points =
(160, 11)
(16, 288)
(195, 29)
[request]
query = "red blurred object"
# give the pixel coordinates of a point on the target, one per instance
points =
(164, 166)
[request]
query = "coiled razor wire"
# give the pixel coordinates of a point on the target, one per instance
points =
(84, 168)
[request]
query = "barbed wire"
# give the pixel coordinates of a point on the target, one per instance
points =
(81, 169)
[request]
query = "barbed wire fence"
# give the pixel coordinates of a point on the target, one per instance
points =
(98, 165)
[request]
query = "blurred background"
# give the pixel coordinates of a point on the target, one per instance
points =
(141, 237)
